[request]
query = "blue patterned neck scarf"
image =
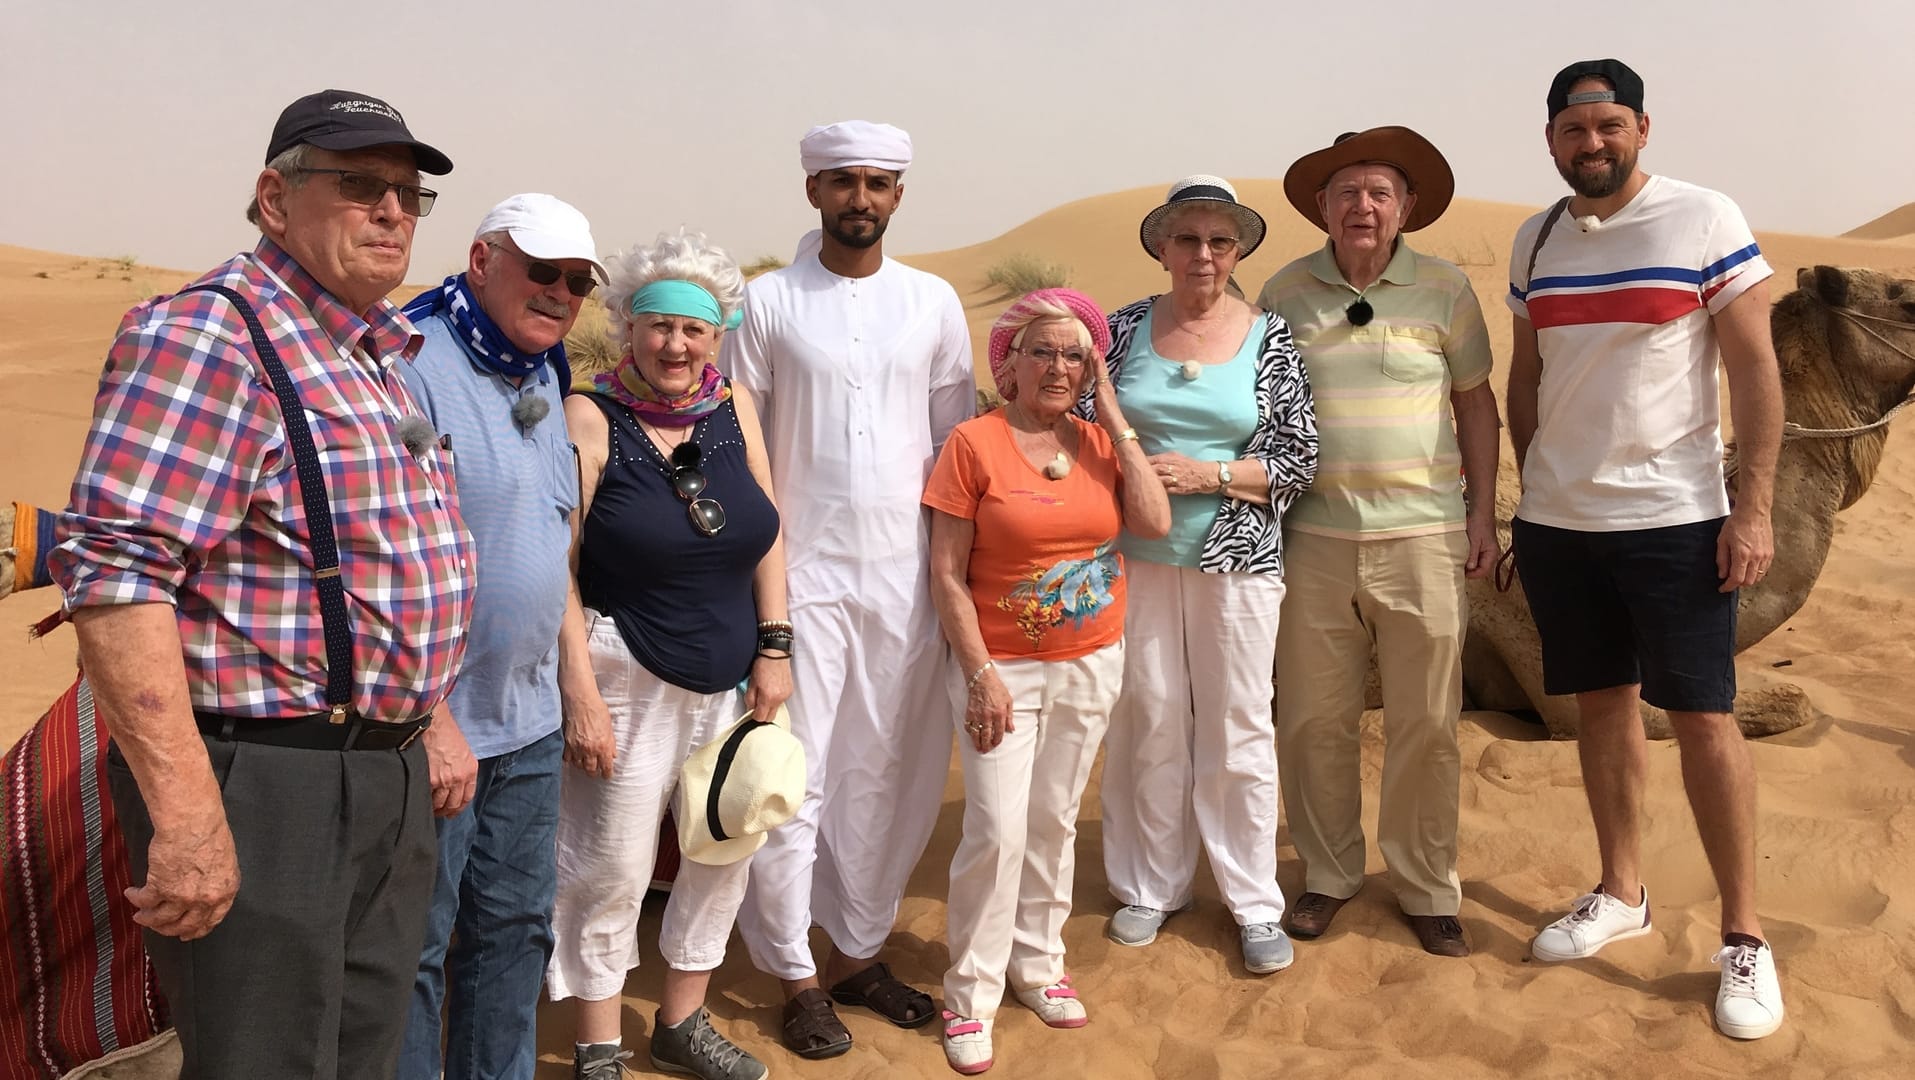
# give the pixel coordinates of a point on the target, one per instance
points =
(482, 337)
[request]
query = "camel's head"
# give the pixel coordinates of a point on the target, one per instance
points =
(1809, 326)
(1845, 339)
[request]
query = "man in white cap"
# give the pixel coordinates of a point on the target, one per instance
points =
(861, 367)
(489, 379)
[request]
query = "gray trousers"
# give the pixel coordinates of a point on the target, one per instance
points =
(310, 973)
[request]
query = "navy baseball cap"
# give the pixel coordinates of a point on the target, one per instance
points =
(345, 120)
(1625, 85)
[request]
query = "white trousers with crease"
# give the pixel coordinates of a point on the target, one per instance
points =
(1011, 875)
(1191, 756)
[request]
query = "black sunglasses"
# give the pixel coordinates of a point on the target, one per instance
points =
(707, 516)
(1359, 313)
(369, 190)
(579, 283)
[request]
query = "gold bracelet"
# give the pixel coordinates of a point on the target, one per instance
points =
(971, 684)
(1125, 435)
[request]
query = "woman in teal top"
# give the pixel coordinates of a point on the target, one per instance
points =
(1210, 418)
(1221, 403)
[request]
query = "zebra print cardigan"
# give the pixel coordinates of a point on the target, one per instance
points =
(1248, 537)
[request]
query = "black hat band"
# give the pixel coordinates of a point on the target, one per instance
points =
(722, 769)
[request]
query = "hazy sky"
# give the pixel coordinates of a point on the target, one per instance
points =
(138, 128)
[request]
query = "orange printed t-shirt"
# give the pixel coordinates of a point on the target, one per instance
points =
(1045, 574)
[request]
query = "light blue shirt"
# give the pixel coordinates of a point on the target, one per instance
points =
(516, 489)
(1209, 418)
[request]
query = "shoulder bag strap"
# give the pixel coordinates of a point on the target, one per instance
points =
(1542, 235)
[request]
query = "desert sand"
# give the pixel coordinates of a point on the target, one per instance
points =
(1837, 833)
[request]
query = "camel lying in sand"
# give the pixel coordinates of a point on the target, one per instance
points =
(1846, 343)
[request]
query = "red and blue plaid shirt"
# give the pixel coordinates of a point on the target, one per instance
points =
(186, 494)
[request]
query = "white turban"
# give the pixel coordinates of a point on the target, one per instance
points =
(854, 142)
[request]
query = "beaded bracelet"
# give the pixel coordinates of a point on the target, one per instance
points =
(775, 624)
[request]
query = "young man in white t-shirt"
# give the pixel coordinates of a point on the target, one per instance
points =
(1629, 549)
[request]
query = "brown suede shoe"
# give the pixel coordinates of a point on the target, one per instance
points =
(1441, 935)
(1310, 916)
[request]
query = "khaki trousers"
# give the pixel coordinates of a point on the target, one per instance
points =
(1402, 600)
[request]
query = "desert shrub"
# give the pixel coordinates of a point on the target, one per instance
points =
(1021, 273)
(763, 265)
(590, 346)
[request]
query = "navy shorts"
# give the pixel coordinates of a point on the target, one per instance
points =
(1636, 606)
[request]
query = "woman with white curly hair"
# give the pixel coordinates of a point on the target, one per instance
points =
(680, 578)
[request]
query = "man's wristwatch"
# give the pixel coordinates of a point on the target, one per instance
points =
(1223, 476)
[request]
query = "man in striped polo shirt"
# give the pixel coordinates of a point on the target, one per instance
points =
(1624, 296)
(1377, 550)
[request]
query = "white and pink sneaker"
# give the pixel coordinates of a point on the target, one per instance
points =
(967, 1043)
(1597, 920)
(1057, 1004)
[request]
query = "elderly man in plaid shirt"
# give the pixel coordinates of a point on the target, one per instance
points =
(265, 563)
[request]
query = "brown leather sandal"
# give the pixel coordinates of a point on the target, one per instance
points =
(883, 993)
(812, 1028)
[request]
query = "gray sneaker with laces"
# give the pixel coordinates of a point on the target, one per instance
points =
(599, 1061)
(1266, 948)
(1136, 925)
(693, 1049)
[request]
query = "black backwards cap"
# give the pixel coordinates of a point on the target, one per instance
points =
(1625, 85)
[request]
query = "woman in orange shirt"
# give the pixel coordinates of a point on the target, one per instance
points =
(1027, 501)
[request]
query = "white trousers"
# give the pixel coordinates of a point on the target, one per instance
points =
(608, 834)
(868, 703)
(1011, 876)
(1192, 755)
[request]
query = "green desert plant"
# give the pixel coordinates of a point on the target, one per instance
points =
(1021, 273)
(590, 346)
(763, 265)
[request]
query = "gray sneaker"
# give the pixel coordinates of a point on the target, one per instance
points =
(1266, 948)
(599, 1061)
(1136, 925)
(694, 1049)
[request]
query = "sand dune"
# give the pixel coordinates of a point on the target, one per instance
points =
(1837, 827)
(1898, 224)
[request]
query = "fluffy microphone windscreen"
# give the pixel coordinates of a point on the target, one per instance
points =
(416, 432)
(528, 411)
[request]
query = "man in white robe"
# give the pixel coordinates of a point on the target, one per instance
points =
(861, 367)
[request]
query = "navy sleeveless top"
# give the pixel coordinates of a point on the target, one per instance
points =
(681, 600)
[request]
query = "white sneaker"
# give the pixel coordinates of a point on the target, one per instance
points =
(1749, 1001)
(967, 1043)
(1056, 1004)
(1598, 919)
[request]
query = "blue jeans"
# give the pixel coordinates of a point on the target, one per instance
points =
(495, 886)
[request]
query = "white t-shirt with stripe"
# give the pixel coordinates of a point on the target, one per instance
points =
(1628, 418)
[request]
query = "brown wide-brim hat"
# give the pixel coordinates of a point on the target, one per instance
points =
(1415, 157)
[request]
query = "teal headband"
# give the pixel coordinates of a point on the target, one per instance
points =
(672, 296)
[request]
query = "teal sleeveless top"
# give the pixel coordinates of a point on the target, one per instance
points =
(1209, 418)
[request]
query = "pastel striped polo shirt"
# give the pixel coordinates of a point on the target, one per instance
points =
(1628, 413)
(1389, 466)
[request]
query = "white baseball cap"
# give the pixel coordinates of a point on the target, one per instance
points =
(737, 788)
(544, 227)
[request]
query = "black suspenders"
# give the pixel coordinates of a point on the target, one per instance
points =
(312, 493)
